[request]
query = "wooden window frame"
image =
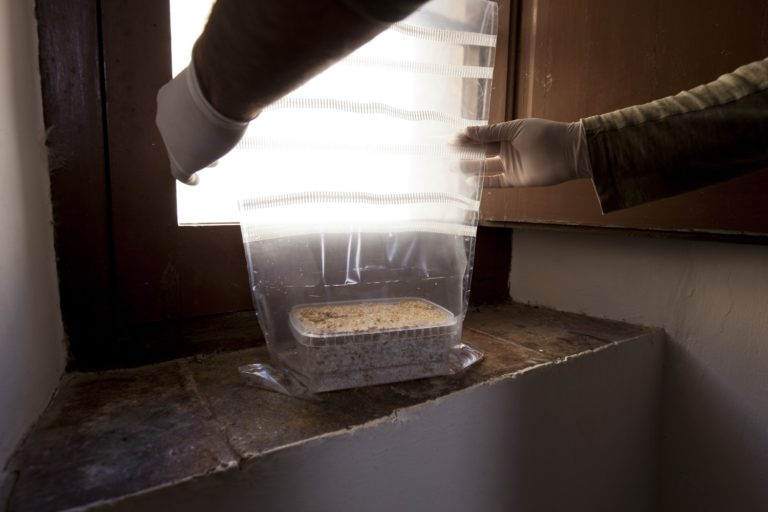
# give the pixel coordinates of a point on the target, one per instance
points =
(87, 50)
(115, 316)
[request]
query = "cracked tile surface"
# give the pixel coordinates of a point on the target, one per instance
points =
(114, 433)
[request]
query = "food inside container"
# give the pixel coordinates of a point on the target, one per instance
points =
(369, 342)
(380, 315)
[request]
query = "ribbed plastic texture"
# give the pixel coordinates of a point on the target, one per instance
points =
(363, 199)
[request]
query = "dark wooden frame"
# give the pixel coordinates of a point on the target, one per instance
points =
(107, 242)
(72, 86)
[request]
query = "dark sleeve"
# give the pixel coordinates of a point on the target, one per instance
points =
(696, 138)
(249, 54)
(384, 11)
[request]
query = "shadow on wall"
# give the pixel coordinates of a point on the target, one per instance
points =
(727, 449)
(595, 451)
(712, 299)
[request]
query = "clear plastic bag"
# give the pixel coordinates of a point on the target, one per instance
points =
(360, 244)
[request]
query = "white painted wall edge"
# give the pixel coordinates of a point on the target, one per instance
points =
(32, 353)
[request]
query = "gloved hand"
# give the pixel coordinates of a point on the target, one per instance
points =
(194, 133)
(531, 152)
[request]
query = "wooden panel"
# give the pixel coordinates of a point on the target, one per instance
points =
(502, 87)
(162, 341)
(71, 86)
(490, 275)
(737, 207)
(164, 271)
(579, 58)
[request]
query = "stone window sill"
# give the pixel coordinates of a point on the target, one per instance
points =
(110, 437)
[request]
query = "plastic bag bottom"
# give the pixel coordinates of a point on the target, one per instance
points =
(283, 380)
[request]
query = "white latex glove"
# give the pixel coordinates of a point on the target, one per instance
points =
(531, 152)
(194, 133)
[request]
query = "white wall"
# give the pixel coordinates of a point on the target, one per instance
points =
(712, 299)
(32, 354)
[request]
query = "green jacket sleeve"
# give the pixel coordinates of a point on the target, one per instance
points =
(709, 134)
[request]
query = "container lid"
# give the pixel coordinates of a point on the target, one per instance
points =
(334, 323)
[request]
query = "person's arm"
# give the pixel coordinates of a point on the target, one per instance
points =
(709, 134)
(250, 54)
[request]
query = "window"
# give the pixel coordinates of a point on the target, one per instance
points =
(136, 286)
(388, 110)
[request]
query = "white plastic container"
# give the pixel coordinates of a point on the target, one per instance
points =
(361, 347)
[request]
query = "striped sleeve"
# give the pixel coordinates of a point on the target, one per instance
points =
(699, 137)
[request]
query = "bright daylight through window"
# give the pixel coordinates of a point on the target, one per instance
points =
(354, 127)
